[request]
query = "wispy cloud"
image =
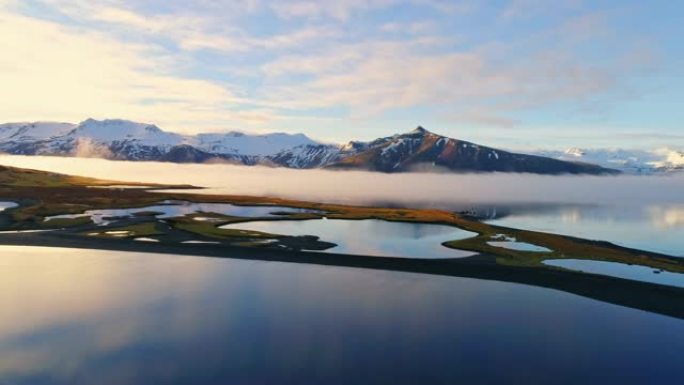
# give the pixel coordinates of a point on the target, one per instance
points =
(292, 64)
(344, 9)
(373, 77)
(412, 28)
(341, 9)
(60, 73)
(517, 10)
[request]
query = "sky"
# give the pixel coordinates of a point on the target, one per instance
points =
(524, 74)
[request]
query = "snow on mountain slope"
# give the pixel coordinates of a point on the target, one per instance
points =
(33, 131)
(253, 145)
(628, 161)
(117, 130)
(123, 139)
(418, 149)
(307, 156)
(422, 150)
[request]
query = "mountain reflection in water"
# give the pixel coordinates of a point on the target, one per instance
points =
(84, 317)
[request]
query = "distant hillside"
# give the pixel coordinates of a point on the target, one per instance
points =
(20, 177)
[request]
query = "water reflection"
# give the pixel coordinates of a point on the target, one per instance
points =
(636, 211)
(371, 237)
(511, 243)
(519, 246)
(170, 209)
(668, 216)
(7, 205)
(620, 270)
(84, 317)
(657, 228)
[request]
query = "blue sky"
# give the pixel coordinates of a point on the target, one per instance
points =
(510, 73)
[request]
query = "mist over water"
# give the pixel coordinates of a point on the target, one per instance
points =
(645, 212)
(357, 187)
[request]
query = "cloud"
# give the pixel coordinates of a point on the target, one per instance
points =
(342, 10)
(373, 77)
(356, 187)
(198, 31)
(520, 10)
(482, 117)
(190, 31)
(122, 16)
(87, 148)
(53, 72)
(413, 28)
(194, 66)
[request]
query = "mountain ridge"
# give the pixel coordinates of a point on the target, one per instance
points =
(418, 149)
(628, 161)
(422, 150)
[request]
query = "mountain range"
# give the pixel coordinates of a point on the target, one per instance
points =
(417, 150)
(627, 161)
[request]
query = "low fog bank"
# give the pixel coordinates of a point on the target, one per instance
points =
(409, 189)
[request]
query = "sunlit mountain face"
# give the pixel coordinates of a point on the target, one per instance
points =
(417, 150)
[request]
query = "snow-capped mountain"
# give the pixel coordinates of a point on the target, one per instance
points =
(33, 131)
(417, 150)
(422, 150)
(127, 140)
(307, 156)
(627, 161)
(252, 145)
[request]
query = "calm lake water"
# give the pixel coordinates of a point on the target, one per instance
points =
(171, 209)
(99, 317)
(635, 211)
(658, 228)
(620, 270)
(371, 237)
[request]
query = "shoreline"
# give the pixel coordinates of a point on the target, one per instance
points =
(40, 195)
(650, 297)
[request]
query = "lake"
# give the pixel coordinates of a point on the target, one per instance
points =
(635, 211)
(653, 227)
(620, 270)
(169, 209)
(371, 237)
(84, 317)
